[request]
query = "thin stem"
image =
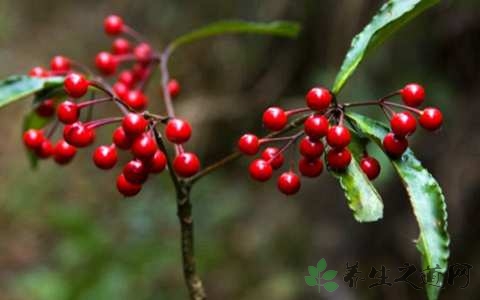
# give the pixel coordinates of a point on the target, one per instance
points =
(103, 86)
(52, 129)
(102, 122)
(292, 140)
(162, 119)
(365, 103)
(297, 111)
(133, 33)
(165, 79)
(94, 101)
(417, 111)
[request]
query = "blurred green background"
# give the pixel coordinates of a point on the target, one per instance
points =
(65, 233)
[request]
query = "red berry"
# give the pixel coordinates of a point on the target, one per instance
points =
(136, 100)
(403, 123)
(60, 64)
(319, 98)
(186, 164)
(105, 157)
(136, 171)
(289, 183)
(121, 46)
(413, 94)
(249, 144)
(121, 139)
(394, 145)
(311, 148)
(339, 159)
(45, 150)
(127, 188)
(134, 124)
(68, 112)
(272, 155)
(76, 85)
(33, 138)
(178, 131)
(121, 90)
(106, 63)
(144, 146)
(173, 88)
(63, 152)
(431, 118)
(338, 137)
(46, 109)
(113, 25)
(370, 167)
(260, 170)
(128, 78)
(78, 135)
(38, 72)
(275, 118)
(140, 71)
(158, 162)
(143, 53)
(310, 167)
(316, 126)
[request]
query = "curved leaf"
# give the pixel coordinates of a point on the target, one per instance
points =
(321, 265)
(17, 87)
(331, 286)
(329, 275)
(311, 281)
(426, 198)
(391, 16)
(278, 28)
(313, 271)
(362, 197)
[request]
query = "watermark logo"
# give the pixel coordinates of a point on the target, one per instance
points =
(324, 280)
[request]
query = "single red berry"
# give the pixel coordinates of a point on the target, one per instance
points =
(394, 145)
(60, 64)
(45, 150)
(140, 71)
(144, 146)
(78, 135)
(106, 63)
(431, 118)
(178, 131)
(121, 46)
(121, 90)
(260, 170)
(338, 137)
(339, 159)
(143, 53)
(33, 138)
(289, 183)
(136, 100)
(127, 188)
(158, 162)
(38, 72)
(113, 25)
(105, 157)
(136, 171)
(370, 166)
(310, 167)
(134, 124)
(272, 155)
(76, 85)
(413, 94)
(68, 112)
(403, 124)
(311, 148)
(275, 118)
(63, 152)
(249, 144)
(186, 164)
(46, 108)
(316, 126)
(121, 139)
(128, 78)
(174, 88)
(319, 98)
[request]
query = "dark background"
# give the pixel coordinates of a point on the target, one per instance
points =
(65, 233)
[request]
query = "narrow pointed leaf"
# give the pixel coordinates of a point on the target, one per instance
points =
(391, 16)
(18, 87)
(426, 198)
(277, 28)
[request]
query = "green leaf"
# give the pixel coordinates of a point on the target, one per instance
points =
(321, 265)
(311, 281)
(329, 275)
(278, 28)
(331, 286)
(18, 87)
(362, 197)
(391, 16)
(426, 198)
(313, 271)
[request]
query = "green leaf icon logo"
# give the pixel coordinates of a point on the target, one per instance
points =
(316, 277)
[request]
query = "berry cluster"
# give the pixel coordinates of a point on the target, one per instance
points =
(137, 128)
(325, 132)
